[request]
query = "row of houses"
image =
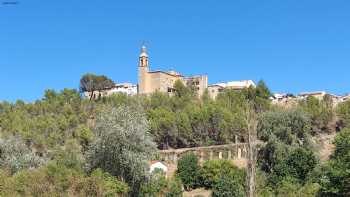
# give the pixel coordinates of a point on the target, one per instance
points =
(289, 99)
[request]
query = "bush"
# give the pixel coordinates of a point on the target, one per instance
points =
(335, 178)
(155, 185)
(188, 170)
(214, 169)
(228, 186)
(58, 180)
(105, 184)
(15, 155)
(174, 188)
(301, 163)
(343, 112)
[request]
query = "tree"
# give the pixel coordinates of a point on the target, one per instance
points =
(258, 96)
(335, 179)
(296, 166)
(163, 127)
(188, 170)
(182, 91)
(262, 90)
(91, 83)
(301, 163)
(289, 126)
(122, 145)
(272, 154)
(251, 121)
(343, 112)
(320, 112)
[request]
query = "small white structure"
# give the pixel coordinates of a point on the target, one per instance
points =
(125, 88)
(317, 94)
(157, 165)
(237, 85)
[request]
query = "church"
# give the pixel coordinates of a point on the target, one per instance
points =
(150, 81)
(163, 81)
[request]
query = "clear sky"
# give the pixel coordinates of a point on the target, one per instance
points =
(293, 45)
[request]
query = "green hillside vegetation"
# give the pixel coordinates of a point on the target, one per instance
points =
(66, 145)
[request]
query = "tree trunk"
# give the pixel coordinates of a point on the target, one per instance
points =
(92, 94)
(251, 122)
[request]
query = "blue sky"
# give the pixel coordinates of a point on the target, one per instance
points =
(293, 45)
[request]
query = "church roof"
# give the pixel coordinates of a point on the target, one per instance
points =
(167, 73)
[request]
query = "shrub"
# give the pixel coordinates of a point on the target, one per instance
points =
(155, 185)
(188, 170)
(15, 155)
(228, 186)
(174, 188)
(214, 169)
(335, 178)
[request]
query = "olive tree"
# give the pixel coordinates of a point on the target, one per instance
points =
(122, 144)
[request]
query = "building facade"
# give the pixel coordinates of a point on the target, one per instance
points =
(163, 81)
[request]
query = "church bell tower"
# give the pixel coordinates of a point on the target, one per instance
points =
(143, 71)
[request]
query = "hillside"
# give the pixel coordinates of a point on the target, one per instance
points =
(77, 147)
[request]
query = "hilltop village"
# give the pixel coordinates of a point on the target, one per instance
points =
(150, 81)
(204, 140)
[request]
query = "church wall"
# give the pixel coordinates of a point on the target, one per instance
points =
(161, 82)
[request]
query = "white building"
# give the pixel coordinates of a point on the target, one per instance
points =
(125, 88)
(216, 88)
(157, 165)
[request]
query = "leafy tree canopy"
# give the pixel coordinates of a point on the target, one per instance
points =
(91, 82)
(122, 145)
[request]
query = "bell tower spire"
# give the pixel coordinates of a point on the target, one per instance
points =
(143, 58)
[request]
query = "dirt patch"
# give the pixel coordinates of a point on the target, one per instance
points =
(325, 145)
(197, 192)
(241, 163)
